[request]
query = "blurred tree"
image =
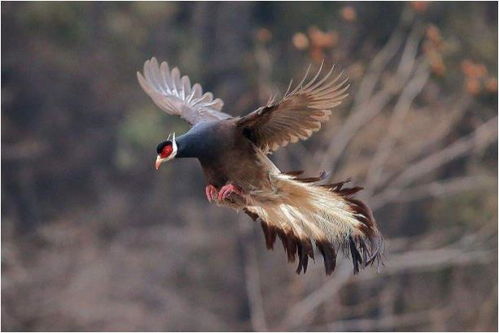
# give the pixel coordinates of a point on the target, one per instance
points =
(94, 239)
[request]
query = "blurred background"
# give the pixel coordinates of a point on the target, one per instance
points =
(93, 238)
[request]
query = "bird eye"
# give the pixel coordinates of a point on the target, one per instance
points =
(166, 151)
(162, 145)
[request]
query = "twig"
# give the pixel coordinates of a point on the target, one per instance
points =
(252, 280)
(305, 307)
(481, 136)
(419, 260)
(389, 322)
(442, 129)
(363, 112)
(433, 189)
(400, 111)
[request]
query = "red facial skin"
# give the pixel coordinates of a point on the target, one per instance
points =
(167, 150)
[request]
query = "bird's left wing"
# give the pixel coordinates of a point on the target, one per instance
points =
(297, 115)
(175, 95)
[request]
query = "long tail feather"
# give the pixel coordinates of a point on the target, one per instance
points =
(302, 212)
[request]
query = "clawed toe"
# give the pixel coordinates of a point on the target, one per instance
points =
(211, 192)
(227, 190)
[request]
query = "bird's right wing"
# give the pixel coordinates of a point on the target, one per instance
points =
(176, 96)
(297, 115)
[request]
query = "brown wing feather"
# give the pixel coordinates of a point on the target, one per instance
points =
(298, 114)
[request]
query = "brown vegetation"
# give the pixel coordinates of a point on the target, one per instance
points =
(93, 238)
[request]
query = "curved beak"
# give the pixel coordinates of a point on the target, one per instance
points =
(159, 160)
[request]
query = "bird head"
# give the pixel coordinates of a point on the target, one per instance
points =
(166, 150)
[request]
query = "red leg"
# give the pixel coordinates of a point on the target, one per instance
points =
(211, 192)
(227, 190)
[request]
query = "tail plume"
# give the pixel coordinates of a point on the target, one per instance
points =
(305, 213)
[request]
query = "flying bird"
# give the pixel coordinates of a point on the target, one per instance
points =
(304, 212)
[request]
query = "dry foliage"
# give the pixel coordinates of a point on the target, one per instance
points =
(94, 239)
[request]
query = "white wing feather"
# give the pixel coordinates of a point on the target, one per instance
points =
(175, 95)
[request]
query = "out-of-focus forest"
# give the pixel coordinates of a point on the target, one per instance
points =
(93, 238)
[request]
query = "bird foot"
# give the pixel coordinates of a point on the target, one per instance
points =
(211, 192)
(227, 190)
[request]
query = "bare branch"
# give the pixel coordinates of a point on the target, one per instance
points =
(433, 189)
(418, 260)
(443, 128)
(363, 112)
(379, 62)
(300, 311)
(385, 323)
(252, 274)
(400, 111)
(480, 137)
(428, 260)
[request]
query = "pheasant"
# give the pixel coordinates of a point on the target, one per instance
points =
(305, 213)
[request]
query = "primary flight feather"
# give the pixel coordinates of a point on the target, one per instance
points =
(303, 212)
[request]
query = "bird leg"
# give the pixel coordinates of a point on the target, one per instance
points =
(229, 189)
(211, 192)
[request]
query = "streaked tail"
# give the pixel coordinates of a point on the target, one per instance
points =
(303, 213)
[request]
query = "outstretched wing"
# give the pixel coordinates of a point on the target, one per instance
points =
(298, 114)
(176, 96)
